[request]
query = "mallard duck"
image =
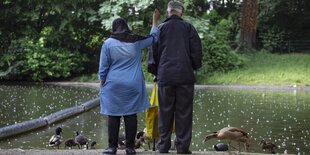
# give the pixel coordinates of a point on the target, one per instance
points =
(138, 143)
(231, 134)
(268, 146)
(143, 139)
(70, 143)
(81, 140)
(56, 139)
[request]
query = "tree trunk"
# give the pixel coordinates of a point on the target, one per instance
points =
(248, 23)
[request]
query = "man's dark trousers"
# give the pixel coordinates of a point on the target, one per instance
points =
(175, 102)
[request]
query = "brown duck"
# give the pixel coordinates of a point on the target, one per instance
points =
(71, 143)
(268, 146)
(231, 134)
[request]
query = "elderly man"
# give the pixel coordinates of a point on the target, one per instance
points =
(176, 55)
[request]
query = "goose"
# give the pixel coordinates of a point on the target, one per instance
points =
(230, 134)
(81, 139)
(268, 146)
(56, 139)
(70, 143)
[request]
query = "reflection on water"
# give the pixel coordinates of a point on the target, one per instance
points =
(19, 103)
(278, 116)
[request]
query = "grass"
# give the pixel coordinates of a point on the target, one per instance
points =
(260, 69)
(268, 69)
(86, 78)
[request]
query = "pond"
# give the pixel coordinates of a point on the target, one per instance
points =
(20, 103)
(277, 115)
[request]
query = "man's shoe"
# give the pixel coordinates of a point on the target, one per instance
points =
(162, 151)
(130, 150)
(185, 152)
(109, 150)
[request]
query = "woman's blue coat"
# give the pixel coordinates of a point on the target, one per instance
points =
(123, 92)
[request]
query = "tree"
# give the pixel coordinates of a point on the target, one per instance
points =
(248, 23)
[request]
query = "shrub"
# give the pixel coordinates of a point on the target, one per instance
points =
(218, 55)
(39, 63)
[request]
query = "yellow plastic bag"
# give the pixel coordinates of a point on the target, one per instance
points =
(154, 96)
(151, 115)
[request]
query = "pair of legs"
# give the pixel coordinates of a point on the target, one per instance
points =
(175, 102)
(130, 130)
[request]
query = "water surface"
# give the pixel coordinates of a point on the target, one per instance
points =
(279, 116)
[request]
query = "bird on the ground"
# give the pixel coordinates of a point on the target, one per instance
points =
(81, 140)
(70, 143)
(121, 143)
(92, 145)
(231, 134)
(143, 139)
(268, 146)
(56, 139)
(220, 147)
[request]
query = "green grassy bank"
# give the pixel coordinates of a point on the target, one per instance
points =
(267, 69)
(260, 68)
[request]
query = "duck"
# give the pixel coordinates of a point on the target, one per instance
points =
(70, 143)
(121, 143)
(268, 146)
(56, 139)
(92, 145)
(230, 134)
(138, 143)
(220, 147)
(141, 138)
(81, 139)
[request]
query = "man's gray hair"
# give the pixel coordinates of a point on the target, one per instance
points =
(175, 6)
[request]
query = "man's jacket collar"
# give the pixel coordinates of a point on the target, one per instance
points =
(173, 17)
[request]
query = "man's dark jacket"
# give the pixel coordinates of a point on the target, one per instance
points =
(177, 53)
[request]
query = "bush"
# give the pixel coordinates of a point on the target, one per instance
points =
(274, 40)
(218, 55)
(38, 63)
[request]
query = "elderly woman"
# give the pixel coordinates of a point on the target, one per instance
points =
(123, 92)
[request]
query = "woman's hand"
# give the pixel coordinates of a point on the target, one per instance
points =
(156, 16)
(101, 83)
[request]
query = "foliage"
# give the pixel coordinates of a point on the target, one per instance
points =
(218, 54)
(285, 20)
(274, 40)
(72, 29)
(65, 25)
(40, 63)
(137, 13)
